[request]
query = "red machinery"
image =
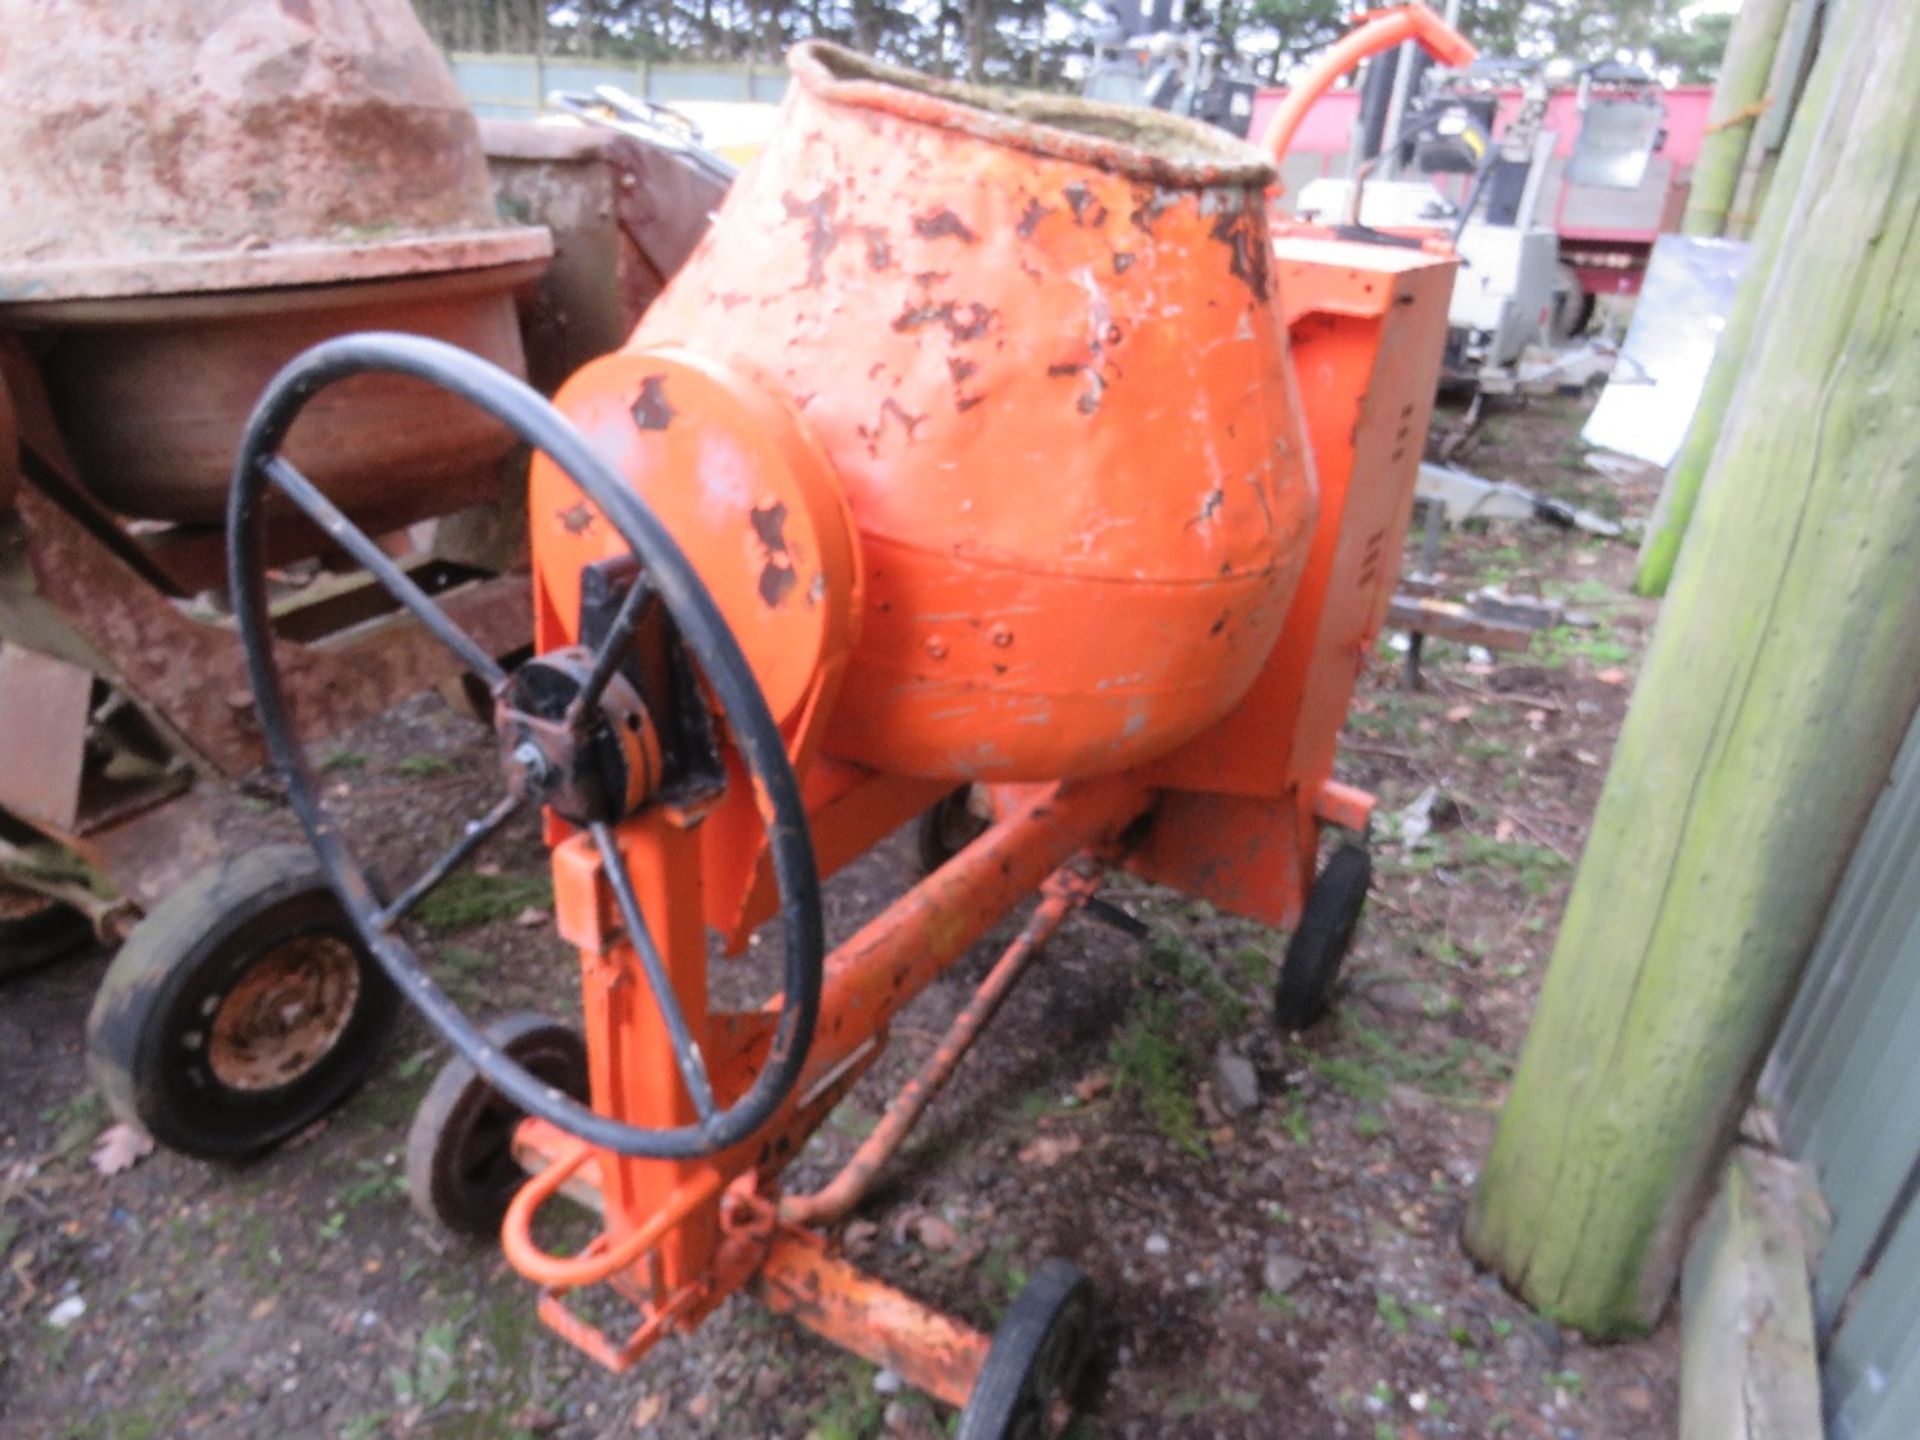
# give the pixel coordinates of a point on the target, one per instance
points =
(984, 439)
(1606, 235)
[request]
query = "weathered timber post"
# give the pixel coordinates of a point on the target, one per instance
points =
(1783, 672)
(1826, 104)
(1738, 95)
(1799, 42)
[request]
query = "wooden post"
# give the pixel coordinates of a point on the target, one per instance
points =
(1738, 94)
(1783, 673)
(1812, 134)
(1750, 1367)
(1799, 37)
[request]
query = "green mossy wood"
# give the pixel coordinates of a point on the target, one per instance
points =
(1784, 670)
(1812, 133)
(1740, 89)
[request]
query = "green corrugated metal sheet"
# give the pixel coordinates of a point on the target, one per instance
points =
(1845, 1082)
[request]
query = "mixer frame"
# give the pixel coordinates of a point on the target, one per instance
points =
(646, 632)
(1234, 816)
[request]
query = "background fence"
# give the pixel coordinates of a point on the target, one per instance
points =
(511, 87)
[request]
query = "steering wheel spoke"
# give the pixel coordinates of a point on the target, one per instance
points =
(476, 834)
(397, 583)
(686, 1050)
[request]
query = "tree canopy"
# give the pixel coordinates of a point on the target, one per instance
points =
(1043, 42)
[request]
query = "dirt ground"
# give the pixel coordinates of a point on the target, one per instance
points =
(1291, 1271)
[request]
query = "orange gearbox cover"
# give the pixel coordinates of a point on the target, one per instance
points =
(1039, 342)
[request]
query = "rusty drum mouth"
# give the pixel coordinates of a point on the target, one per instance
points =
(1141, 144)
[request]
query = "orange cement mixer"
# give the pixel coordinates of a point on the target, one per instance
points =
(984, 439)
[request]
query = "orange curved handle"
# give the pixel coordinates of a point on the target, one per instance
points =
(1380, 30)
(600, 1259)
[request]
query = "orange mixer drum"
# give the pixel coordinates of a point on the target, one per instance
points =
(1038, 342)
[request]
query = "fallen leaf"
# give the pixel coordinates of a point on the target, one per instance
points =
(1503, 830)
(263, 1308)
(121, 1147)
(1459, 713)
(1611, 676)
(1048, 1149)
(1093, 1086)
(648, 1410)
(531, 918)
(904, 1223)
(935, 1234)
(699, 1405)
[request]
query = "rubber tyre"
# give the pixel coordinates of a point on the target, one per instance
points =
(40, 937)
(1322, 939)
(1573, 308)
(461, 1173)
(1036, 1358)
(149, 1035)
(946, 828)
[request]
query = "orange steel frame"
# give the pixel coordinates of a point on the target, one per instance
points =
(1233, 816)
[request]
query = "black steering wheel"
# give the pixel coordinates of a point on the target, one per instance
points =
(559, 736)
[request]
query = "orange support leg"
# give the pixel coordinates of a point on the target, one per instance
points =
(928, 1350)
(1064, 893)
(897, 955)
(668, 1243)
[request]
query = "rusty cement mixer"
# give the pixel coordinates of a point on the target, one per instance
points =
(194, 193)
(985, 441)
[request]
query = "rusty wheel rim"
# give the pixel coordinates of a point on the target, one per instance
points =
(285, 1013)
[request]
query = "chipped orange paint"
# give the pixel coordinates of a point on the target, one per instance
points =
(930, 1351)
(1049, 373)
(1238, 818)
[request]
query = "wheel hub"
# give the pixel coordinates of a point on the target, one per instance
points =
(598, 766)
(284, 1013)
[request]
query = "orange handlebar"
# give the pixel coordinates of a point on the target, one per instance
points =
(1382, 30)
(601, 1259)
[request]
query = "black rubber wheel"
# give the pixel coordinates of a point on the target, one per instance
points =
(1577, 316)
(240, 1010)
(460, 1167)
(1026, 1387)
(948, 827)
(1321, 940)
(36, 931)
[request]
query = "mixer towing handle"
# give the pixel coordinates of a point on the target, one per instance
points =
(1378, 30)
(567, 724)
